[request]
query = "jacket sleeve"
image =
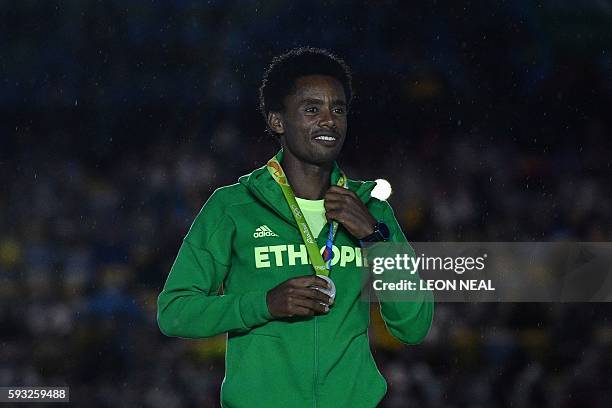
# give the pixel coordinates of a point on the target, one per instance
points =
(189, 304)
(407, 320)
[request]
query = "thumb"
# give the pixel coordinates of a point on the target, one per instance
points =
(331, 215)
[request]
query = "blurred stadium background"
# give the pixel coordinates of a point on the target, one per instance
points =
(490, 119)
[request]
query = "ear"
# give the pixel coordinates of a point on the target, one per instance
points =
(275, 122)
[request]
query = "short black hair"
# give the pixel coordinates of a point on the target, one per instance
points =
(280, 76)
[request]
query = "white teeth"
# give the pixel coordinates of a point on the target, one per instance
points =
(328, 138)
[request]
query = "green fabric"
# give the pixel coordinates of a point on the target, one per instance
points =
(322, 361)
(314, 212)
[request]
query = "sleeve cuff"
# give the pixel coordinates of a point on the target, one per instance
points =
(254, 308)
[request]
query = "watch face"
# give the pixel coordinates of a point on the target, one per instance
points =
(383, 230)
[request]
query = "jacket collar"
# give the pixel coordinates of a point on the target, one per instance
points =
(261, 184)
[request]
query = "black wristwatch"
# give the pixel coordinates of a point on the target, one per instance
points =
(381, 233)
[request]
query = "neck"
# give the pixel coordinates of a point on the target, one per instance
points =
(308, 181)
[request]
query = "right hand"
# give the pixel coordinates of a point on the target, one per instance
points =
(297, 297)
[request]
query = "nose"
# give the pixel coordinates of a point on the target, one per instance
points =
(327, 119)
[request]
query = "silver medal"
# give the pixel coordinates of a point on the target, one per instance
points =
(331, 292)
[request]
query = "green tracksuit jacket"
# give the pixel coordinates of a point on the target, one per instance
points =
(322, 361)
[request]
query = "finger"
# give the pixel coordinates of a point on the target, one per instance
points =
(341, 210)
(333, 196)
(349, 221)
(333, 213)
(301, 281)
(308, 280)
(311, 293)
(337, 215)
(333, 204)
(340, 190)
(313, 305)
(342, 200)
(341, 193)
(295, 310)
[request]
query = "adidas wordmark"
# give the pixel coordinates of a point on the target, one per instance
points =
(264, 231)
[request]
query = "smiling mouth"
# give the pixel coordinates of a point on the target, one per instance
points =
(326, 138)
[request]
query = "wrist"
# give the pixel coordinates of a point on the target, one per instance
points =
(268, 304)
(369, 231)
(380, 232)
(254, 308)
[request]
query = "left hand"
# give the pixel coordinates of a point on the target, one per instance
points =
(344, 206)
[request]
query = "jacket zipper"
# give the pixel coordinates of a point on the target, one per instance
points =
(316, 360)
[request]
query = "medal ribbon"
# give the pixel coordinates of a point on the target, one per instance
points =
(319, 265)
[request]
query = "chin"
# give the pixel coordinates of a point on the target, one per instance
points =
(323, 157)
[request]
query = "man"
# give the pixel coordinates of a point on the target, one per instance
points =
(295, 339)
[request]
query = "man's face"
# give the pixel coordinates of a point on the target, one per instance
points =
(314, 119)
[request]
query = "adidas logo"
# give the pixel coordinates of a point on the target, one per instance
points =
(264, 231)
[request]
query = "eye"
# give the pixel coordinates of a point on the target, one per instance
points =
(339, 111)
(311, 109)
